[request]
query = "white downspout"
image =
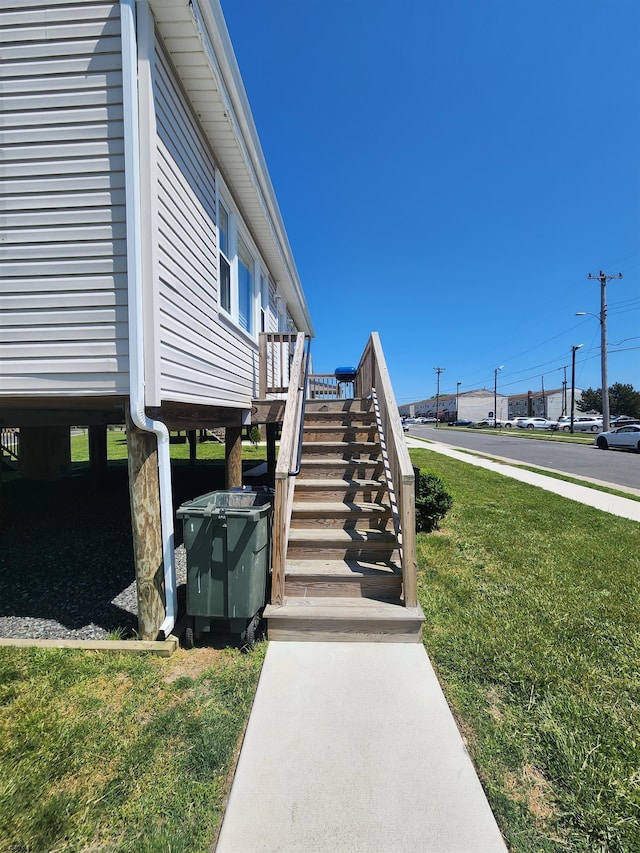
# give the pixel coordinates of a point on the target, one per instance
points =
(134, 276)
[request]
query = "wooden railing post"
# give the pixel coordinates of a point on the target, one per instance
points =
(283, 497)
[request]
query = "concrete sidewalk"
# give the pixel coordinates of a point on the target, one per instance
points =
(352, 748)
(624, 507)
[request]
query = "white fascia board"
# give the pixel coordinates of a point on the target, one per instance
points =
(240, 156)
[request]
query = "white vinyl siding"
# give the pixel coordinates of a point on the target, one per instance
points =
(204, 357)
(63, 310)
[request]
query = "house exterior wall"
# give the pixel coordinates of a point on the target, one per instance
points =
(204, 358)
(64, 292)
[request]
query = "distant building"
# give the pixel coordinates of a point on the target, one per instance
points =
(552, 404)
(478, 404)
(474, 405)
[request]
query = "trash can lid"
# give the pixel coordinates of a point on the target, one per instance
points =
(233, 500)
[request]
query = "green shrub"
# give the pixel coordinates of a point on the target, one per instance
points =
(254, 436)
(433, 502)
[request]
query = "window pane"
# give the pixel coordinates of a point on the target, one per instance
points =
(225, 284)
(245, 289)
(223, 228)
(245, 285)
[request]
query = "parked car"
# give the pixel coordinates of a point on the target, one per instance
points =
(513, 422)
(425, 420)
(460, 422)
(583, 423)
(535, 423)
(623, 420)
(625, 437)
(487, 422)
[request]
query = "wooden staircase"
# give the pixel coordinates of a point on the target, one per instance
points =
(343, 580)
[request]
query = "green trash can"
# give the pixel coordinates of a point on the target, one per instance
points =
(227, 540)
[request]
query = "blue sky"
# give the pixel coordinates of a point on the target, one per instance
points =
(449, 172)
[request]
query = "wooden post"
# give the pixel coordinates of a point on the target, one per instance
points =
(233, 456)
(98, 451)
(272, 431)
(262, 366)
(144, 491)
(45, 452)
(191, 437)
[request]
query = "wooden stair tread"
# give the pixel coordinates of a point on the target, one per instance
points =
(303, 534)
(339, 445)
(329, 483)
(341, 568)
(340, 508)
(343, 608)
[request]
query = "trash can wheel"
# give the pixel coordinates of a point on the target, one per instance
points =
(255, 629)
(188, 640)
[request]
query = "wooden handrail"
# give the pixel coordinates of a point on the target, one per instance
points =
(289, 440)
(373, 380)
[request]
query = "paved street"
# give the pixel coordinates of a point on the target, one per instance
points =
(611, 466)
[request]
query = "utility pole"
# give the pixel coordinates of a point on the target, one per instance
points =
(603, 279)
(573, 382)
(458, 384)
(495, 395)
(564, 391)
(438, 370)
(544, 400)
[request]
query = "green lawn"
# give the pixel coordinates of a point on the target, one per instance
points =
(117, 449)
(532, 623)
(115, 752)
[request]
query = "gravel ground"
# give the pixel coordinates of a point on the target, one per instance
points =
(66, 556)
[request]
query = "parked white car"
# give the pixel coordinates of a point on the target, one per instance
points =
(514, 422)
(583, 423)
(535, 423)
(626, 437)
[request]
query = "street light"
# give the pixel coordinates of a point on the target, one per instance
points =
(458, 384)
(573, 381)
(495, 395)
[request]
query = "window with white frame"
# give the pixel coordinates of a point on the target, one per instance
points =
(240, 271)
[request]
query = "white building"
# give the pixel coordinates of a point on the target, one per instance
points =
(473, 405)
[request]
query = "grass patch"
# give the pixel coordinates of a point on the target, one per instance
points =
(555, 475)
(119, 752)
(117, 449)
(533, 625)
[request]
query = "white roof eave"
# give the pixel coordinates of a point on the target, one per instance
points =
(196, 36)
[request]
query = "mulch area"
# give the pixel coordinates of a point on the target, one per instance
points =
(66, 553)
